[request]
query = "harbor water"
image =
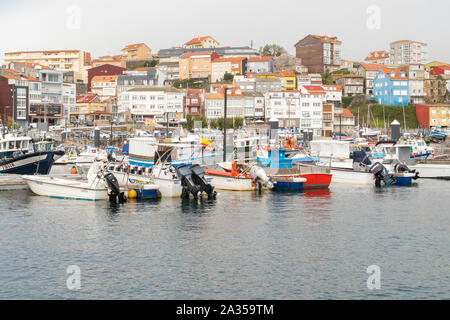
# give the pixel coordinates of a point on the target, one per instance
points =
(312, 245)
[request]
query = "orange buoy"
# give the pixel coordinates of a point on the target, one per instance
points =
(73, 171)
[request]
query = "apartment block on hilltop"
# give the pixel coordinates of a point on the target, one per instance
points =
(136, 52)
(202, 42)
(408, 51)
(64, 60)
(319, 53)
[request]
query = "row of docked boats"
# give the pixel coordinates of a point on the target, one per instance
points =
(191, 167)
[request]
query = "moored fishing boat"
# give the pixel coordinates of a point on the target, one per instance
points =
(236, 176)
(99, 185)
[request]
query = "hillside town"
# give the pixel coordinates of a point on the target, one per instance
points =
(313, 90)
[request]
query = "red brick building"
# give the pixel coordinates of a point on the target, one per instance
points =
(193, 102)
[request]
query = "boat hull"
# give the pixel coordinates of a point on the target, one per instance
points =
(227, 182)
(65, 188)
(31, 164)
(348, 176)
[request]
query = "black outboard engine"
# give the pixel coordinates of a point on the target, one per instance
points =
(113, 185)
(402, 168)
(198, 175)
(187, 182)
(381, 174)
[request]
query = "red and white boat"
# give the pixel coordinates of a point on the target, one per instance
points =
(238, 177)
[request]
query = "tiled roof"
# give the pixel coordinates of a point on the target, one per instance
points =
(7, 76)
(396, 75)
(105, 78)
(86, 98)
(346, 113)
(377, 55)
(327, 39)
(234, 59)
(257, 59)
(197, 40)
(331, 88)
(314, 89)
(286, 73)
(133, 46)
(372, 66)
(33, 65)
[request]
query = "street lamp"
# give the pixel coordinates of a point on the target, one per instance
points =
(225, 124)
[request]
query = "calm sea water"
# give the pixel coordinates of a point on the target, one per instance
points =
(315, 245)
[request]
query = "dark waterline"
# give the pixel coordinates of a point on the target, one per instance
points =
(315, 245)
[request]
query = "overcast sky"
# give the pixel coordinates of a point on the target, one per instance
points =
(105, 27)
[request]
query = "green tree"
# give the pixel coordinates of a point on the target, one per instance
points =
(272, 50)
(228, 77)
(191, 120)
(151, 64)
(326, 78)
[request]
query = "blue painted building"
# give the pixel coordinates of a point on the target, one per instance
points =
(391, 87)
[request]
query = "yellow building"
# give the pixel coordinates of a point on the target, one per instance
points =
(439, 115)
(136, 52)
(64, 60)
(289, 79)
(202, 42)
(86, 106)
(196, 65)
(433, 64)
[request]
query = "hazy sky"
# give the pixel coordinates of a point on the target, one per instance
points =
(105, 27)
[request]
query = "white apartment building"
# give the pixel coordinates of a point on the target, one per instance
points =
(69, 99)
(104, 86)
(254, 106)
(64, 60)
(150, 103)
(408, 51)
(284, 106)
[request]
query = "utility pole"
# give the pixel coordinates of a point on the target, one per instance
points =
(225, 125)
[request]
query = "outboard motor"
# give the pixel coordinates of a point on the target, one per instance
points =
(198, 175)
(114, 187)
(187, 182)
(403, 168)
(381, 174)
(260, 177)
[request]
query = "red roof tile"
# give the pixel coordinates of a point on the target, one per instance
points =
(197, 40)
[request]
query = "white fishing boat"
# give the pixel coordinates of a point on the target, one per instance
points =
(94, 188)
